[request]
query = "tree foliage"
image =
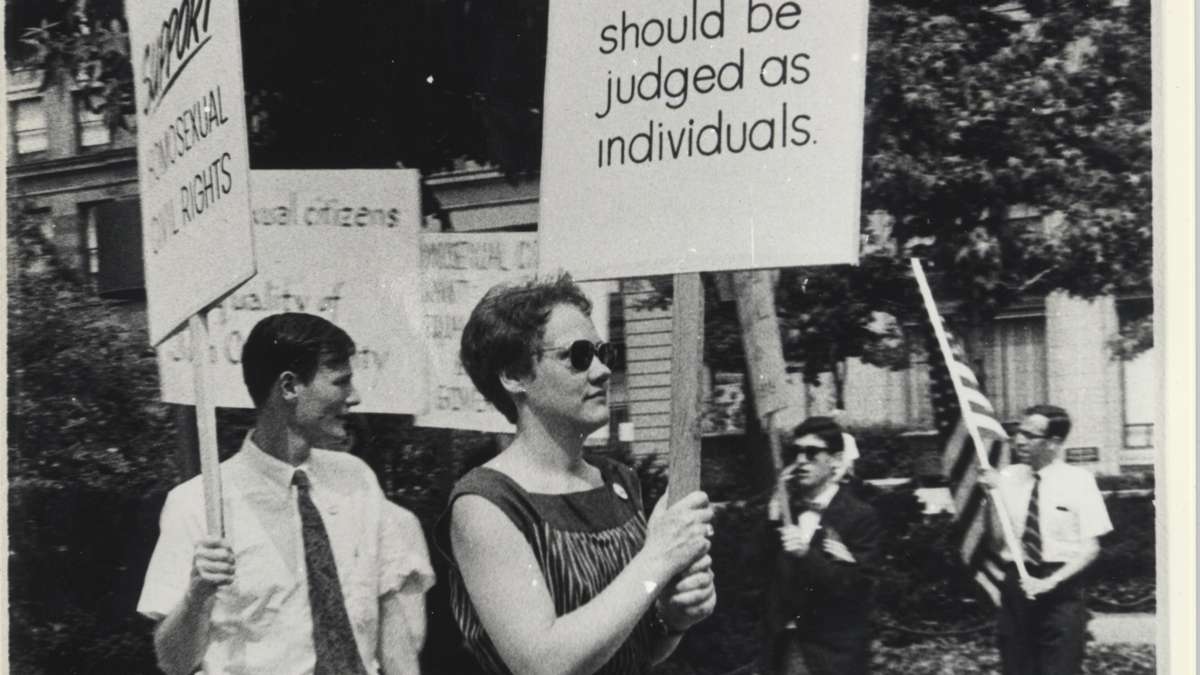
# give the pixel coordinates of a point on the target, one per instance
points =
(830, 314)
(1008, 146)
(1010, 149)
(976, 116)
(80, 40)
(82, 384)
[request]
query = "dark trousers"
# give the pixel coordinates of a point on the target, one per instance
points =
(1043, 636)
(783, 656)
(790, 652)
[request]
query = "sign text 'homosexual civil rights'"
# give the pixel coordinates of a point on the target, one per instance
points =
(193, 166)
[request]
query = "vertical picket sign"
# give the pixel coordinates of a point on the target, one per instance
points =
(206, 425)
(781, 496)
(653, 185)
(194, 181)
(687, 367)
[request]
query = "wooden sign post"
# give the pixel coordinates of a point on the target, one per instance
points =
(206, 424)
(687, 369)
(197, 239)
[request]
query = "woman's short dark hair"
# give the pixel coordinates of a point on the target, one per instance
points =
(506, 327)
(294, 342)
(823, 428)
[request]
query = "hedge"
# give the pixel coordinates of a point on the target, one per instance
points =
(77, 557)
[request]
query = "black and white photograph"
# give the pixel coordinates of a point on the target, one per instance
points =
(561, 337)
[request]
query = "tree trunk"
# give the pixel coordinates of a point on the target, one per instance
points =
(754, 293)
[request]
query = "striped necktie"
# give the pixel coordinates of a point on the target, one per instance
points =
(1031, 541)
(333, 638)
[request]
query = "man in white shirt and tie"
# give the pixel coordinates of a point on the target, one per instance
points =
(1058, 516)
(317, 572)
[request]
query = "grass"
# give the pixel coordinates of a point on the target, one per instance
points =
(980, 657)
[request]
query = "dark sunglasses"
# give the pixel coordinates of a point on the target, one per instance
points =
(1028, 434)
(809, 451)
(581, 353)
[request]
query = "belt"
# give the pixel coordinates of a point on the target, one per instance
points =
(1038, 571)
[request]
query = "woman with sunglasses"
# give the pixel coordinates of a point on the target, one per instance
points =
(555, 568)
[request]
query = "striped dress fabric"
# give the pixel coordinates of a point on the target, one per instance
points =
(582, 541)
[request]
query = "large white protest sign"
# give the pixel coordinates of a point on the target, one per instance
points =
(456, 271)
(192, 155)
(338, 244)
(701, 135)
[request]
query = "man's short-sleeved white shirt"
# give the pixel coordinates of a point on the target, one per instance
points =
(262, 621)
(1070, 507)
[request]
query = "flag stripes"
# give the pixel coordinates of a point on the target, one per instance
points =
(989, 572)
(959, 407)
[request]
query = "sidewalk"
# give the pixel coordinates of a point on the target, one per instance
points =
(1136, 628)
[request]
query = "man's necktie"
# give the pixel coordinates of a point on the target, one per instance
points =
(333, 638)
(1031, 541)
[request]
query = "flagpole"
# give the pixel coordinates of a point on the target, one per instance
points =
(995, 496)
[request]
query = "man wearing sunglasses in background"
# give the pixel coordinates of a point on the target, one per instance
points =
(820, 605)
(1058, 516)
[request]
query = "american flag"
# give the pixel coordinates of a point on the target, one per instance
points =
(960, 461)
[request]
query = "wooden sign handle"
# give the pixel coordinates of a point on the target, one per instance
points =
(206, 425)
(781, 493)
(687, 369)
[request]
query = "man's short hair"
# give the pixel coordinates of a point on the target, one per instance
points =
(294, 342)
(823, 428)
(1058, 421)
(506, 327)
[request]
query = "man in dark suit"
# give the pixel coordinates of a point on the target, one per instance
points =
(821, 600)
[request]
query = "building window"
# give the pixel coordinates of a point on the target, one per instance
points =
(29, 126)
(1008, 358)
(1013, 359)
(1139, 436)
(93, 131)
(112, 244)
(917, 399)
(616, 330)
(1138, 390)
(91, 242)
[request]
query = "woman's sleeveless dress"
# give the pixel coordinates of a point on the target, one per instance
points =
(581, 540)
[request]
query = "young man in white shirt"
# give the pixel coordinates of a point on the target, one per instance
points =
(1058, 516)
(317, 571)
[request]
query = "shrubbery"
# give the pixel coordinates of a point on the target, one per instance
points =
(73, 602)
(90, 456)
